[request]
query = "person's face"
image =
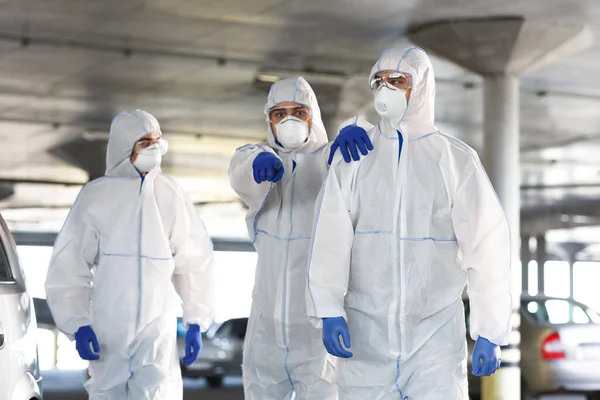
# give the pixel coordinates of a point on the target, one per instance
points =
(143, 143)
(392, 78)
(286, 109)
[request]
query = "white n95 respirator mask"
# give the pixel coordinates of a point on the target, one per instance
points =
(292, 132)
(390, 103)
(151, 156)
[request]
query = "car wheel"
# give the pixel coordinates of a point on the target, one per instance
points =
(215, 382)
(593, 396)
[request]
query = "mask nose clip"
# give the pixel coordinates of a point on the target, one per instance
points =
(289, 118)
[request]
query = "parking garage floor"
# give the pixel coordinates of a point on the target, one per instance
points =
(68, 385)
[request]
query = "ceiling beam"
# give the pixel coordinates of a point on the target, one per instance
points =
(576, 139)
(534, 225)
(96, 126)
(123, 49)
(40, 182)
(561, 186)
(467, 84)
(126, 50)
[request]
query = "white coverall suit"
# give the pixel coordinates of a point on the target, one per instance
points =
(283, 352)
(397, 237)
(127, 248)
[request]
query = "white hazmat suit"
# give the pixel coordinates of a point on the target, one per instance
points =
(127, 248)
(396, 238)
(283, 352)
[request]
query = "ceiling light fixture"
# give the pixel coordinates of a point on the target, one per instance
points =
(268, 78)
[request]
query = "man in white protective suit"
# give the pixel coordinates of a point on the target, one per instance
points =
(131, 243)
(396, 238)
(279, 182)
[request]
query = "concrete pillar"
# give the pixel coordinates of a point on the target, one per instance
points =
(525, 258)
(571, 250)
(571, 278)
(501, 49)
(571, 284)
(541, 257)
(501, 161)
(571, 258)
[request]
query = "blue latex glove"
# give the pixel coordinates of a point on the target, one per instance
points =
(486, 357)
(267, 167)
(333, 328)
(83, 337)
(350, 138)
(193, 345)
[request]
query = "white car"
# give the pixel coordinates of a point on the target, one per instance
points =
(20, 375)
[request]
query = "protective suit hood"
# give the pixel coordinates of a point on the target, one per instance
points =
(126, 128)
(419, 117)
(297, 90)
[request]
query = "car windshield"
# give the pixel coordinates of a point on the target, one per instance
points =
(553, 311)
(595, 317)
(560, 311)
(239, 328)
(233, 328)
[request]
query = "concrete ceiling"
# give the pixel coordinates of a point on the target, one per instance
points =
(67, 66)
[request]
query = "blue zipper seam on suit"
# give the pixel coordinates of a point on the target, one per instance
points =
(140, 283)
(399, 233)
(285, 303)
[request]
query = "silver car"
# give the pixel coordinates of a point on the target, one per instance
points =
(20, 377)
(222, 352)
(560, 348)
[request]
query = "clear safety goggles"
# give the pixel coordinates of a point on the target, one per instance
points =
(392, 79)
(145, 143)
(276, 115)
